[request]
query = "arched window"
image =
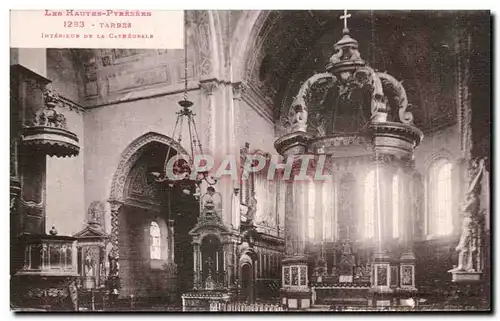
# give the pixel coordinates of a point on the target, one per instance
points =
(369, 201)
(395, 206)
(440, 207)
(155, 241)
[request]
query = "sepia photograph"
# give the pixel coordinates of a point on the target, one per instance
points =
(269, 161)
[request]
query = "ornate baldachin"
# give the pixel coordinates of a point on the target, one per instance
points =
(349, 73)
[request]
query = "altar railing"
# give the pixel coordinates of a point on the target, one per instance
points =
(240, 307)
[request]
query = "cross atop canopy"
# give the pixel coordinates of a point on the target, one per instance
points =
(345, 16)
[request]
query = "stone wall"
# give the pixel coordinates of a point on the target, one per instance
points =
(255, 129)
(442, 143)
(65, 72)
(138, 276)
(435, 256)
(65, 182)
(109, 130)
(65, 176)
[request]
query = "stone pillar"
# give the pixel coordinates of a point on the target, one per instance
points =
(383, 210)
(197, 266)
(319, 215)
(221, 142)
(230, 265)
(171, 240)
(409, 191)
(209, 112)
(295, 291)
(235, 150)
(31, 169)
(36, 61)
(114, 283)
(381, 256)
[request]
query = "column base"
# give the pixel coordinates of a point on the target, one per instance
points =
(465, 276)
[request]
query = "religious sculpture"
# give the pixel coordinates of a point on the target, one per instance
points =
(243, 213)
(89, 264)
(252, 208)
(48, 116)
(95, 214)
(407, 276)
(470, 210)
(209, 282)
(211, 202)
(319, 122)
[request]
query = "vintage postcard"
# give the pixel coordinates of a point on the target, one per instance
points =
(250, 161)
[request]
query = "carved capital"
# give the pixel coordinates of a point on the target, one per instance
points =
(382, 159)
(209, 87)
(237, 90)
(115, 206)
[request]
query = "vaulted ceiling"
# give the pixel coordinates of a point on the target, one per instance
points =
(416, 47)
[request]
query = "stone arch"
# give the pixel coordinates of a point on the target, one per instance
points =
(441, 154)
(457, 179)
(131, 154)
(244, 37)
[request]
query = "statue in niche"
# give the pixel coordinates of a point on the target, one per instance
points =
(209, 282)
(243, 213)
(211, 202)
(346, 262)
(89, 264)
(470, 210)
(252, 208)
(95, 214)
(407, 276)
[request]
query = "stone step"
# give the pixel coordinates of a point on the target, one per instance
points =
(318, 308)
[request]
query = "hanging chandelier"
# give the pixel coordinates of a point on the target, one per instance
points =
(180, 170)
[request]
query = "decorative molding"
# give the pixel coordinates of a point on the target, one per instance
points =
(441, 154)
(237, 90)
(209, 86)
(129, 157)
(463, 46)
(71, 105)
(115, 228)
(139, 94)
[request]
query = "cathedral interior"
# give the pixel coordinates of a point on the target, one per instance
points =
(392, 107)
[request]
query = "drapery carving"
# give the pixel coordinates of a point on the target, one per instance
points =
(140, 185)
